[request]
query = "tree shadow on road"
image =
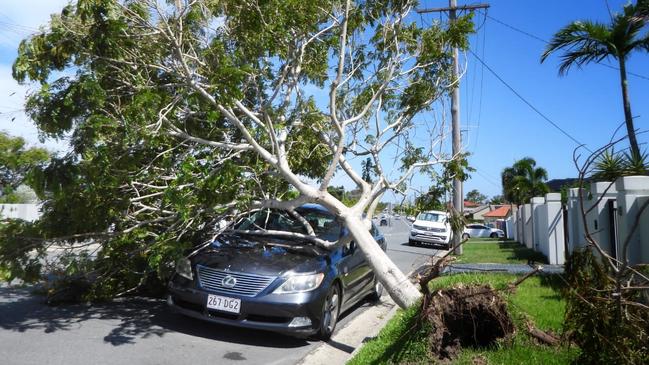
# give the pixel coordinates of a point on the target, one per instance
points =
(129, 320)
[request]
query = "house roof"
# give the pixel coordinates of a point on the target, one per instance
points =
(498, 213)
(470, 204)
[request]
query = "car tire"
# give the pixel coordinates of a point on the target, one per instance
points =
(377, 291)
(494, 235)
(465, 236)
(330, 312)
(411, 243)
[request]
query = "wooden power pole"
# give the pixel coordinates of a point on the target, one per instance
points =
(458, 195)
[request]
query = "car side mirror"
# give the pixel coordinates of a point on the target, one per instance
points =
(349, 248)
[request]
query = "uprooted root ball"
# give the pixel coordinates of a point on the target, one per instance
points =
(466, 316)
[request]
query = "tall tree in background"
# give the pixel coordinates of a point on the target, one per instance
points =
(587, 41)
(523, 180)
(16, 161)
(476, 197)
(189, 112)
(497, 200)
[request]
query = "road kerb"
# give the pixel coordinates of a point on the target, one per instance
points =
(365, 326)
(348, 340)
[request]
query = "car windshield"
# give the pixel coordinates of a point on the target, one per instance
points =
(325, 225)
(431, 217)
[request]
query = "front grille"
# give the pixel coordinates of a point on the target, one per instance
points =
(248, 285)
(429, 229)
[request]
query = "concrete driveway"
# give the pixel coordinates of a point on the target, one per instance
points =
(142, 331)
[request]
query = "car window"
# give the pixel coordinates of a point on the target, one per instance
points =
(325, 225)
(374, 231)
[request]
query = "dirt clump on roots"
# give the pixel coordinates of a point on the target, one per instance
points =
(474, 316)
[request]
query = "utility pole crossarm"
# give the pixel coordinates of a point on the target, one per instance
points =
(461, 7)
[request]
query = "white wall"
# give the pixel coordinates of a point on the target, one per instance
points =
(598, 218)
(528, 234)
(629, 194)
(554, 233)
(28, 212)
(536, 203)
(575, 221)
(633, 191)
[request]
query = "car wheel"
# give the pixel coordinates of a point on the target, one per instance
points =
(411, 243)
(377, 291)
(330, 311)
(494, 235)
(466, 236)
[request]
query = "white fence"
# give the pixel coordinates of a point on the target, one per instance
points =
(28, 212)
(610, 220)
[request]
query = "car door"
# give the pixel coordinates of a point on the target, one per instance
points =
(472, 230)
(483, 231)
(357, 274)
(352, 270)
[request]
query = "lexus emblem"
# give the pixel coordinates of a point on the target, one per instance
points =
(229, 281)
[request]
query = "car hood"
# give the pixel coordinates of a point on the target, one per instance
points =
(429, 224)
(261, 255)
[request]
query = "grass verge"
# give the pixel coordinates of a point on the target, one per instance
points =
(488, 250)
(536, 299)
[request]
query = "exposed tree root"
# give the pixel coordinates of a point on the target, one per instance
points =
(466, 316)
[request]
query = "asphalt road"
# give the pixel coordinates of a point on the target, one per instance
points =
(143, 331)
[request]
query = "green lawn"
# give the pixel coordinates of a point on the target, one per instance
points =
(537, 299)
(489, 250)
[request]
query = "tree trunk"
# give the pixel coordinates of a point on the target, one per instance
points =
(402, 291)
(628, 117)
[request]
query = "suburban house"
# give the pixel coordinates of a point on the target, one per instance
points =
(498, 214)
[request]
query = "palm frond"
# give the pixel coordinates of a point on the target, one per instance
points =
(642, 43)
(584, 41)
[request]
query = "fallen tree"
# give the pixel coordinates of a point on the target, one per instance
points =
(186, 113)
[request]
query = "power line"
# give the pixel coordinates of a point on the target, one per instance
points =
(477, 135)
(547, 42)
(555, 125)
(487, 179)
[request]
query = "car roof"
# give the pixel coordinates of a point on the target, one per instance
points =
(312, 206)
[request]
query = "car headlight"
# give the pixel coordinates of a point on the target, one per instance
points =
(300, 284)
(184, 268)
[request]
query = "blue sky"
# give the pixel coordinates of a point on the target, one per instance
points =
(499, 127)
(586, 103)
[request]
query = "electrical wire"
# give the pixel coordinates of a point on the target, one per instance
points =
(477, 135)
(555, 125)
(488, 179)
(547, 42)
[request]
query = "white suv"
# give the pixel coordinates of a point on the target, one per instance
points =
(431, 227)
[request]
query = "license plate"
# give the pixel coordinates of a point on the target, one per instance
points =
(227, 304)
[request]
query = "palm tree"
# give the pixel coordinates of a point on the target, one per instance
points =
(523, 181)
(586, 41)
